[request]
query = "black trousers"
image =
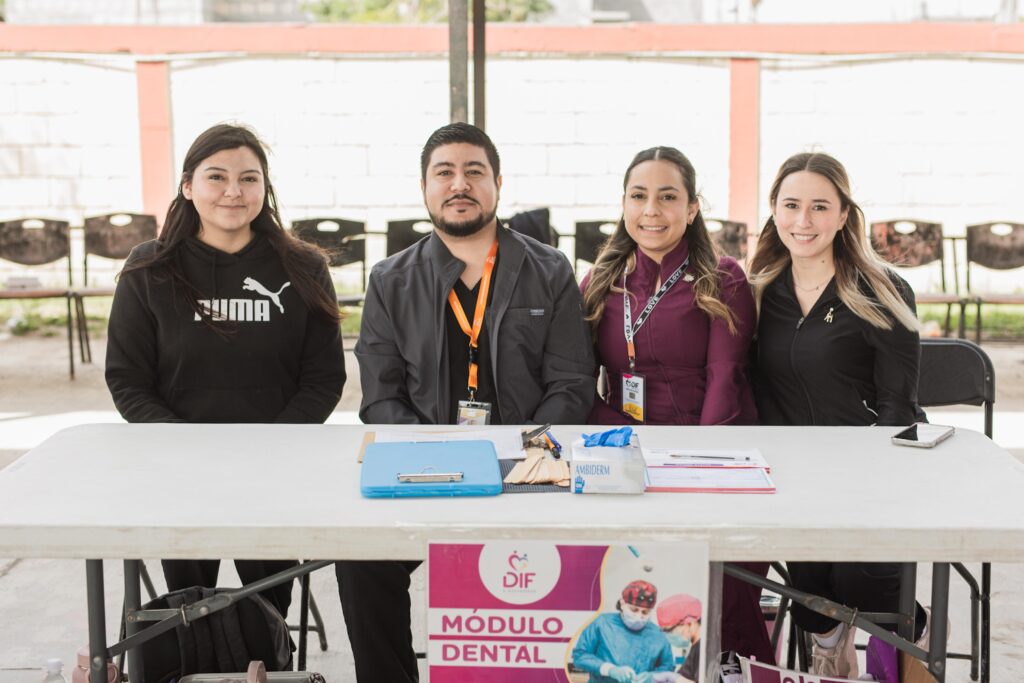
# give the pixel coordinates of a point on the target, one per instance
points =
(184, 573)
(375, 602)
(866, 586)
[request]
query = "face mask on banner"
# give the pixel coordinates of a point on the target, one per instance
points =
(634, 622)
(678, 642)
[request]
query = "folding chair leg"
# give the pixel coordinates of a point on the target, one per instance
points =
(791, 645)
(146, 580)
(318, 622)
(977, 324)
(947, 328)
(803, 650)
(303, 620)
(84, 348)
(975, 617)
(71, 342)
(986, 619)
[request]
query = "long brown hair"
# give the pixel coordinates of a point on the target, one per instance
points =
(618, 255)
(855, 261)
(302, 261)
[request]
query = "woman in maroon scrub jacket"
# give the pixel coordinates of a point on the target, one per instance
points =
(672, 322)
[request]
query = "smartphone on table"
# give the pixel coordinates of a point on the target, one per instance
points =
(923, 435)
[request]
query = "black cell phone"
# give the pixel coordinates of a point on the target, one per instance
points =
(923, 435)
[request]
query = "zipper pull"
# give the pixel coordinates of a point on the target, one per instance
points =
(800, 322)
(828, 316)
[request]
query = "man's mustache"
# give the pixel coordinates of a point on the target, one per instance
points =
(461, 197)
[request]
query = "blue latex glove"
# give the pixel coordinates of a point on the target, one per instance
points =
(646, 677)
(613, 437)
(621, 674)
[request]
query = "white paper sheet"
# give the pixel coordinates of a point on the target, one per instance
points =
(508, 441)
(710, 479)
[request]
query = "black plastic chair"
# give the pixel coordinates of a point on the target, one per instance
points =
(36, 242)
(111, 236)
(589, 238)
(405, 233)
(999, 246)
(957, 372)
(908, 243)
(535, 223)
(730, 237)
(344, 241)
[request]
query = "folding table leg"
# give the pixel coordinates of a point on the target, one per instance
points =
(132, 602)
(907, 601)
(97, 620)
(713, 633)
(940, 613)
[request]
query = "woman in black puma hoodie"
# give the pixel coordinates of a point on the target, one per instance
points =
(225, 318)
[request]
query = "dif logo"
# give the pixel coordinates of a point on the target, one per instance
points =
(519, 572)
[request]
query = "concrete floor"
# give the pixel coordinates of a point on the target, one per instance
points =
(42, 602)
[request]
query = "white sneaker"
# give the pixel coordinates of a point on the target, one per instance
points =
(840, 660)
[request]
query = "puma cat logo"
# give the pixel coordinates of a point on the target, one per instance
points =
(254, 286)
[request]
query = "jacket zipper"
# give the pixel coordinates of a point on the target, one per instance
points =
(792, 365)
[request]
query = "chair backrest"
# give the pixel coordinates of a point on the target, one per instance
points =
(343, 240)
(35, 242)
(909, 243)
(954, 372)
(590, 237)
(996, 245)
(535, 223)
(729, 236)
(113, 236)
(404, 234)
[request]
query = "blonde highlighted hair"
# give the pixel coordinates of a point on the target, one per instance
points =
(855, 261)
(618, 255)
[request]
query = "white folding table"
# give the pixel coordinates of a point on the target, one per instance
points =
(292, 491)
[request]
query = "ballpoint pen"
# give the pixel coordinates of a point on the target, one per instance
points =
(553, 446)
(710, 457)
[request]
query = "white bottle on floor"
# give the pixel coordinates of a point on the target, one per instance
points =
(54, 672)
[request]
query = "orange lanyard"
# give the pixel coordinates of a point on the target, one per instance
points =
(478, 315)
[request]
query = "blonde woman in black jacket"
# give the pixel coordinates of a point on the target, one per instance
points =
(837, 344)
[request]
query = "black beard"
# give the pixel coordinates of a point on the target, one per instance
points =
(462, 228)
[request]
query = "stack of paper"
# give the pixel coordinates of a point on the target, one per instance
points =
(707, 470)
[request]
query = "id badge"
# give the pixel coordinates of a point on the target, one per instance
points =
(474, 413)
(633, 396)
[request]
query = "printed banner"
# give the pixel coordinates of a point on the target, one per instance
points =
(756, 672)
(533, 612)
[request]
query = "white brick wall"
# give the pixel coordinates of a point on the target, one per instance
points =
(935, 139)
(69, 144)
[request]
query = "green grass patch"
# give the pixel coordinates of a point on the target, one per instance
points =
(998, 323)
(351, 318)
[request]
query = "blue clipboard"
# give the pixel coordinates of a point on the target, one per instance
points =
(432, 468)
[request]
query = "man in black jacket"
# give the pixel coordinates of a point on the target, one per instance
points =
(474, 324)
